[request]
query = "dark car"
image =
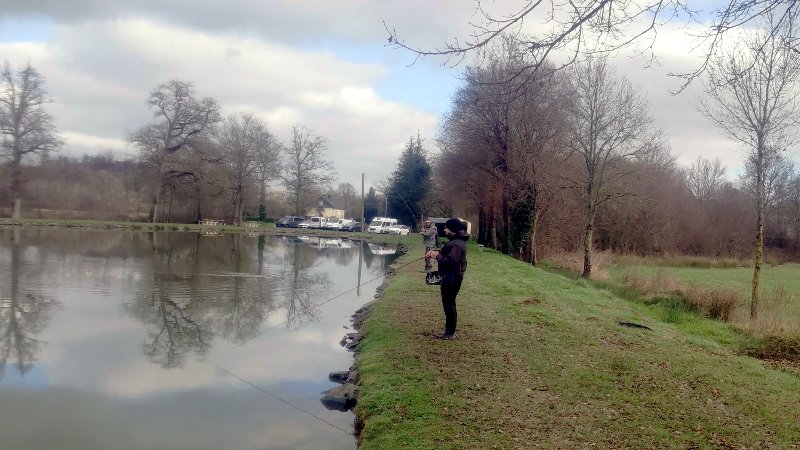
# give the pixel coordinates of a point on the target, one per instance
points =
(352, 226)
(289, 222)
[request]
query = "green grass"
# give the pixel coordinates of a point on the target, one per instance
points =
(539, 361)
(740, 278)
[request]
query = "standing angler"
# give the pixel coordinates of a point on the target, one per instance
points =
(452, 262)
(430, 237)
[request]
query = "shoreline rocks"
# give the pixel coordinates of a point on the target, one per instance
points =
(345, 397)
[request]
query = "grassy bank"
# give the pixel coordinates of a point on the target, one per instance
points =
(540, 361)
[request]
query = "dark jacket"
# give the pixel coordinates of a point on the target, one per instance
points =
(452, 259)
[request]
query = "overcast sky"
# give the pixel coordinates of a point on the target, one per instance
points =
(318, 63)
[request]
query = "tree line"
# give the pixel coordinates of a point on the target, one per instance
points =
(541, 157)
(549, 158)
(190, 163)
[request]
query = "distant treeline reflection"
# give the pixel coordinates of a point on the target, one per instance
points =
(189, 289)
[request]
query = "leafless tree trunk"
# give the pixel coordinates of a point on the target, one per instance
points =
(305, 167)
(181, 121)
(25, 126)
(243, 138)
(349, 196)
(610, 124)
(751, 98)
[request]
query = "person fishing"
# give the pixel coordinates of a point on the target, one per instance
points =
(430, 237)
(452, 262)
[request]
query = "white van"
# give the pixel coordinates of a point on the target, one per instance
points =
(381, 225)
(313, 222)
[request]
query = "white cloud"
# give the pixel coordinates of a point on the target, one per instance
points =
(100, 73)
(95, 143)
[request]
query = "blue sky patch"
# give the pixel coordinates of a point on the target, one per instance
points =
(26, 29)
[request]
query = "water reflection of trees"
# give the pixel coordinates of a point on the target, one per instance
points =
(24, 313)
(199, 287)
(190, 289)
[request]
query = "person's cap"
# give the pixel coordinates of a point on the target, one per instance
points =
(427, 221)
(453, 225)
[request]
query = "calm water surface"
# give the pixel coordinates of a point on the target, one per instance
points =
(133, 340)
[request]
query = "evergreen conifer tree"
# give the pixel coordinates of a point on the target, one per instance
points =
(410, 183)
(370, 206)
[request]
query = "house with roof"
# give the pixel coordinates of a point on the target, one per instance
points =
(327, 206)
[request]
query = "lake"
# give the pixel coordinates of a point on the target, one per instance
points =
(176, 340)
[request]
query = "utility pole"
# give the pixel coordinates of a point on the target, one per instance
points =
(363, 177)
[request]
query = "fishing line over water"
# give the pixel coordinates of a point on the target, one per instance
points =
(285, 321)
(319, 304)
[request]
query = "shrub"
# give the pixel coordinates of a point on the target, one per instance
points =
(718, 304)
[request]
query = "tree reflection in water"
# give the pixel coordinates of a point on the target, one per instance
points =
(202, 287)
(23, 314)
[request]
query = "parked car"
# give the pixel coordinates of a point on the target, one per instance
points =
(353, 226)
(402, 230)
(289, 222)
(336, 224)
(312, 222)
(380, 225)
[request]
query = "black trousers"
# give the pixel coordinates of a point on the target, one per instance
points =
(449, 293)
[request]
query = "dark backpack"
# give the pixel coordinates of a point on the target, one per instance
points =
(462, 264)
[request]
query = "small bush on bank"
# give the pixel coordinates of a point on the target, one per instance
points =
(776, 334)
(719, 304)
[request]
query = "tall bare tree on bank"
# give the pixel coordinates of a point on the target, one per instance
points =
(751, 97)
(26, 128)
(243, 137)
(602, 27)
(268, 167)
(181, 119)
(305, 167)
(610, 125)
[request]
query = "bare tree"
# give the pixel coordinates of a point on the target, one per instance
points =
(705, 178)
(751, 98)
(181, 119)
(305, 167)
(26, 128)
(610, 125)
(268, 166)
(600, 28)
(349, 196)
(243, 138)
